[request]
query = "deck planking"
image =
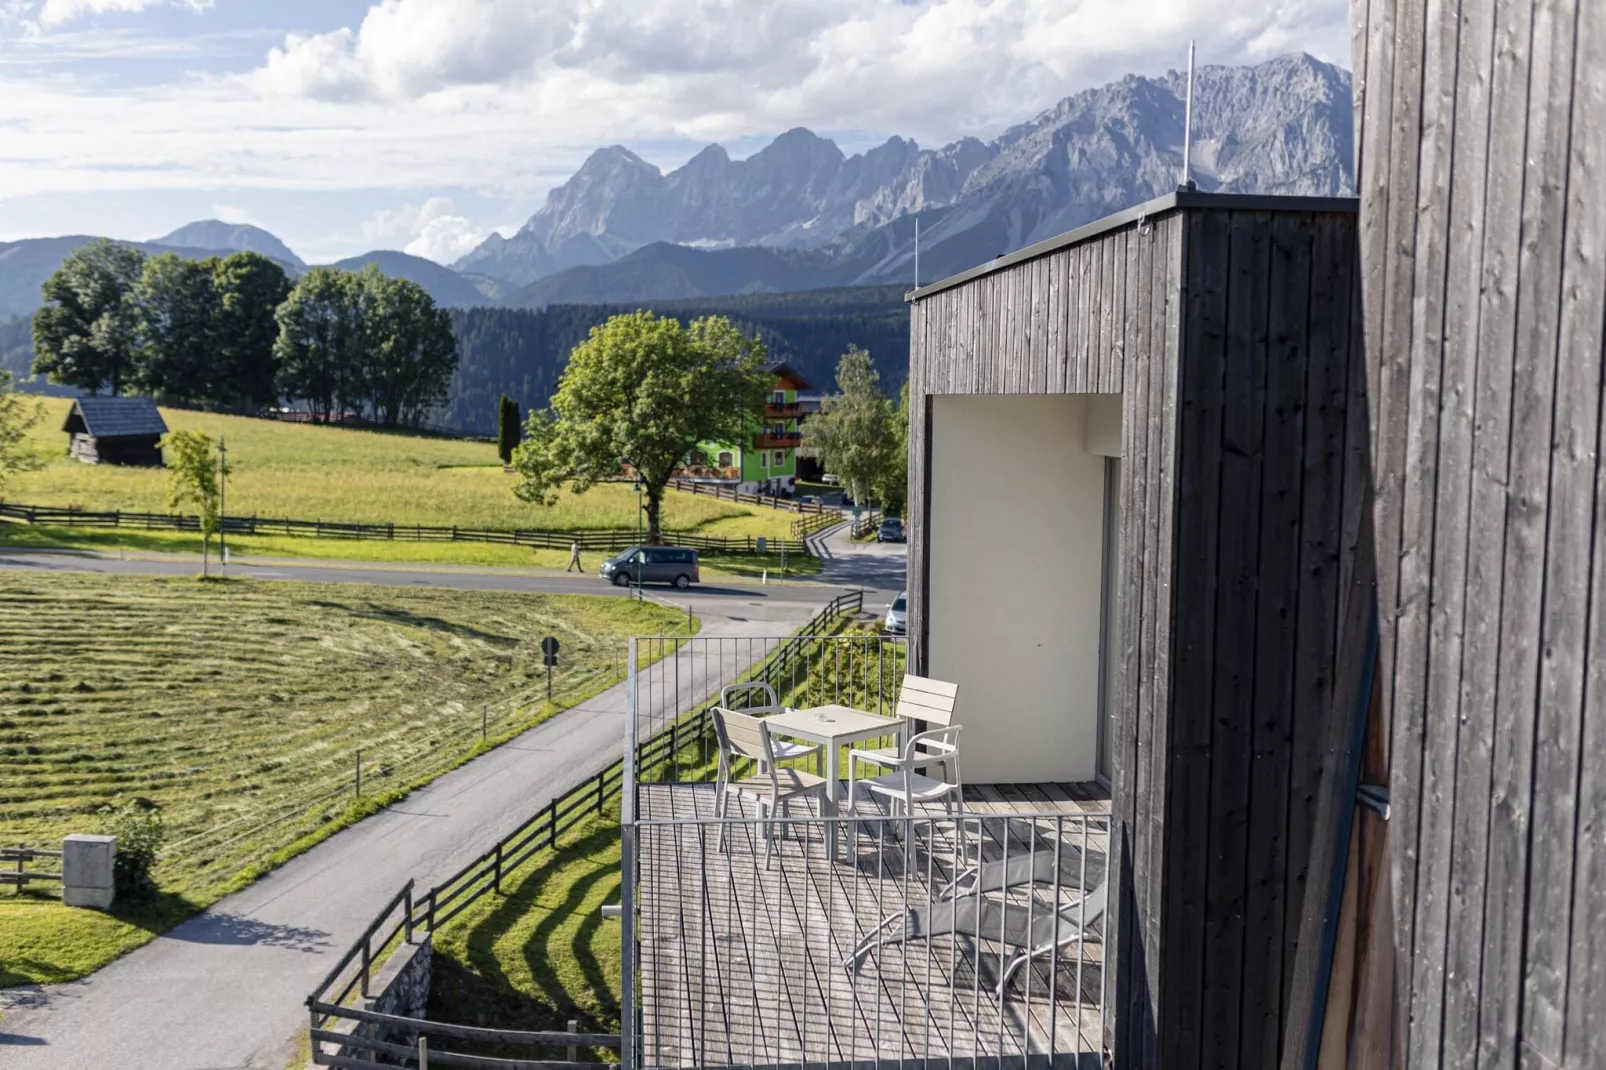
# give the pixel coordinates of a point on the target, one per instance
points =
(742, 964)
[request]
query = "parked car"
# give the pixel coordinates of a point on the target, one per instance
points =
(653, 564)
(897, 615)
(811, 499)
(891, 530)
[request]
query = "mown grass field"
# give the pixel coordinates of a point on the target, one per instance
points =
(326, 473)
(400, 552)
(239, 709)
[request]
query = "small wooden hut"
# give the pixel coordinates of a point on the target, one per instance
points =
(115, 430)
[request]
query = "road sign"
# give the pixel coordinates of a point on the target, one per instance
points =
(549, 650)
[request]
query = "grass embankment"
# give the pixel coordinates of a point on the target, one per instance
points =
(340, 474)
(399, 552)
(239, 708)
(540, 953)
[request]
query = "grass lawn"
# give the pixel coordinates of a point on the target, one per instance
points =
(239, 707)
(243, 547)
(326, 473)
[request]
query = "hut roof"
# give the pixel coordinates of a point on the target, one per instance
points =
(114, 417)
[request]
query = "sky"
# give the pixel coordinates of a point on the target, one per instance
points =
(423, 125)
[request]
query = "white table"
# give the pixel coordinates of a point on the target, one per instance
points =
(835, 727)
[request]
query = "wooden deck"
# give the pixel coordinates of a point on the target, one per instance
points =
(742, 964)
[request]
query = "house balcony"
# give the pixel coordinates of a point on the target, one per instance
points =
(787, 411)
(804, 953)
(773, 440)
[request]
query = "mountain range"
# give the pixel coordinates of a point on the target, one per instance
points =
(800, 214)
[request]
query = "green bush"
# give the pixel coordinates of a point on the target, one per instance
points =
(137, 824)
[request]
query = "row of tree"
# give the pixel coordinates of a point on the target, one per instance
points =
(234, 333)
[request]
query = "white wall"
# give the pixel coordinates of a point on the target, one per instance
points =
(1015, 539)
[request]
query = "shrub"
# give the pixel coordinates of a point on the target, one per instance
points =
(137, 824)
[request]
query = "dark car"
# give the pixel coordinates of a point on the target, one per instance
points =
(653, 564)
(891, 530)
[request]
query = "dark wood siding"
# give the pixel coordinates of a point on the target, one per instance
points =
(1484, 239)
(1232, 335)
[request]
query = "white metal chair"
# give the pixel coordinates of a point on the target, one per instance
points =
(936, 746)
(773, 789)
(920, 699)
(785, 750)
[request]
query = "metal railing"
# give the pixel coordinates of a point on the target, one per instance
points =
(973, 938)
(668, 670)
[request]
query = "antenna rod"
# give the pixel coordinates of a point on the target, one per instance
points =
(1187, 127)
(917, 252)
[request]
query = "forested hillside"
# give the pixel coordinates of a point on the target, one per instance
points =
(521, 353)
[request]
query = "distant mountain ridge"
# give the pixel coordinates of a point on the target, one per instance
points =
(1282, 127)
(235, 237)
(801, 215)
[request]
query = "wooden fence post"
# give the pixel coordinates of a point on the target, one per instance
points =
(496, 877)
(485, 714)
(552, 825)
(359, 772)
(573, 1052)
(423, 1053)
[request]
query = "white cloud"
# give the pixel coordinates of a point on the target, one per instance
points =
(431, 230)
(506, 97)
(56, 12)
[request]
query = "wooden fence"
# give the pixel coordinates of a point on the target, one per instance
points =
(407, 912)
(612, 539)
(865, 523)
(731, 494)
(15, 861)
(807, 525)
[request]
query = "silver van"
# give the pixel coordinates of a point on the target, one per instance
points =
(653, 564)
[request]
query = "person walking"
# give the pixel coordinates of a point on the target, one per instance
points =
(574, 558)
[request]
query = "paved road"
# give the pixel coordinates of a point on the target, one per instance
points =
(483, 579)
(225, 989)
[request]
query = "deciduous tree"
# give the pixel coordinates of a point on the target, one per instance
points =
(176, 310)
(84, 336)
(853, 435)
(644, 391)
(408, 349)
(18, 412)
(193, 481)
(319, 348)
(249, 289)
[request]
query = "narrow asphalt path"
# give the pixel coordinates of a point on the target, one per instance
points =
(225, 989)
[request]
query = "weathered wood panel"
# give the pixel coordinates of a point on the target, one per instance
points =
(1229, 332)
(1484, 243)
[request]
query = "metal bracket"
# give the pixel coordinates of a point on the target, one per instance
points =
(1374, 797)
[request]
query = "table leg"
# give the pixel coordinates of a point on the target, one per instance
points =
(828, 802)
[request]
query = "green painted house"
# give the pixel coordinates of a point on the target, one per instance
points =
(766, 461)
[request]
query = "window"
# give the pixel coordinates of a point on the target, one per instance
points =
(726, 458)
(778, 398)
(763, 459)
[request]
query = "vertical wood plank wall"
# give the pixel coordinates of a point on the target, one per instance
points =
(1230, 334)
(1483, 165)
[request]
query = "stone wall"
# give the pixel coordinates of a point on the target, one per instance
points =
(400, 987)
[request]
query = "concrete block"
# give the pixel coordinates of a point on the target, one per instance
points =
(87, 878)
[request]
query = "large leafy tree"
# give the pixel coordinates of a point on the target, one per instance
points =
(644, 391)
(249, 289)
(853, 434)
(177, 329)
(892, 486)
(320, 342)
(409, 350)
(84, 336)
